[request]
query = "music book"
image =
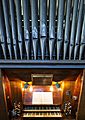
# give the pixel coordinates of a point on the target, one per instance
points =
(42, 98)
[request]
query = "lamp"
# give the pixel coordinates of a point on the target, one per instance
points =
(57, 85)
(26, 85)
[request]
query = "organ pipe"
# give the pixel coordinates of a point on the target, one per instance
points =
(52, 26)
(2, 32)
(7, 24)
(60, 27)
(26, 16)
(43, 26)
(73, 28)
(67, 28)
(82, 43)
(34, 14)
(79, 27)
(35, 30)
(19, 25)
(13, 24)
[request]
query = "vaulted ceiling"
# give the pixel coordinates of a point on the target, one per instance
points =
(42, 29)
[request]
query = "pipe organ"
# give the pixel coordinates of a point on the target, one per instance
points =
(42, 29)
(41, 41)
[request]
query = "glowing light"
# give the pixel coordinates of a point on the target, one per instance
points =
(59, 89)
(62, 86)
(53, 83)
(51, 88)
(21, 85)
(26, 85)
(23, 89)
(30, 83)
(31, 89)
(57, 85)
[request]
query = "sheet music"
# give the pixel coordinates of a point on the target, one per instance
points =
(42, 98)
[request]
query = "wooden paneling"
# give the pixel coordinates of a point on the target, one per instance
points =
(77, 86)
(16, 91)
(72, 89)
(3, 103)
(58, 74)
(81, 104)
(68, 90)
(7, 92)
(57, 95)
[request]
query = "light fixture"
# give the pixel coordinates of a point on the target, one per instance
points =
(57, 85)
(26, 85)
(31, 89)
(51, 88)
(23, 89)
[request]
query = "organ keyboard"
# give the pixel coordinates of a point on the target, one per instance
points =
(32, 114)
(39, 111)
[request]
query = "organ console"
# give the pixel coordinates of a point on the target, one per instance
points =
(43, 94)
(42, 111)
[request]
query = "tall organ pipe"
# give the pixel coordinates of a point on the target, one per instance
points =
(67, 27)
(82, 43)
(43, 24)
(60, 27)
(26, 15)
(34, 14)
(19, 24)
(7, 24)
(73, 28)
(13, 25)
(2, 31)
(52, 12)
(79, 27)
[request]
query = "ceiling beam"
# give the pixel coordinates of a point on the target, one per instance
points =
(42, 64)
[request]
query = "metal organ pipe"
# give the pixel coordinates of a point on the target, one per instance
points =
(26, 15)
(82, 43)
(79, 27)
(67, 28)
(60, 27)
(43, 26)
(2, 31)
(34, 14)
(52, 12)
(21, 33)
(7, 24)
(19, 25)
(73, 28)
(13, 24)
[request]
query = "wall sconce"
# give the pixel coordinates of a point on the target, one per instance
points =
(57, 85)
(26, 85)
